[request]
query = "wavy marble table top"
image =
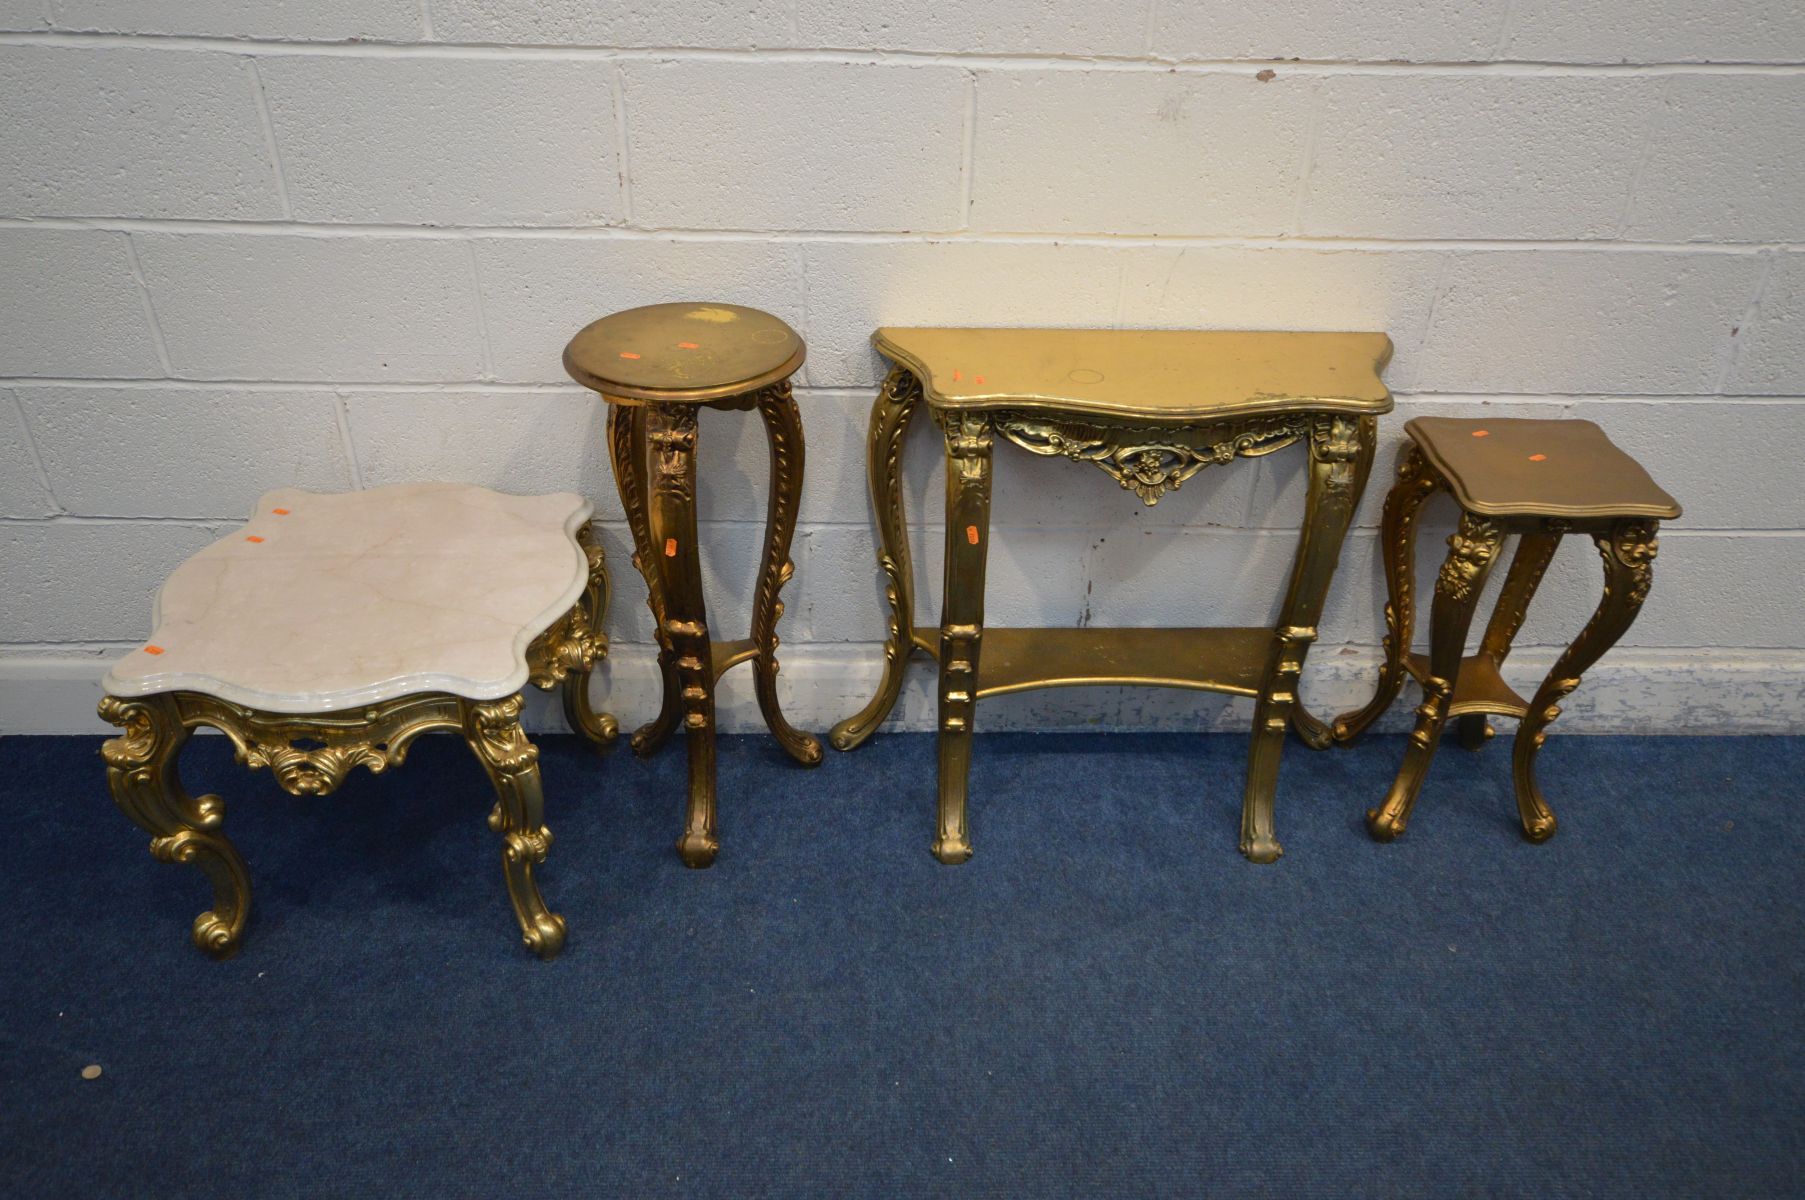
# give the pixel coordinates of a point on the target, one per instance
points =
(325, 602)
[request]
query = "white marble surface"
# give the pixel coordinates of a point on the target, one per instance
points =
(326, 602)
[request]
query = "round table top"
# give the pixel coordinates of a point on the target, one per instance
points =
(695, 351)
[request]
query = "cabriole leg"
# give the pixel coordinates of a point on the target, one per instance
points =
(1628, 550)
(1314, 733)
(783, 429)
(627, 450)
(1397, 544)
(591, 646)
(492, 728)
(968, 441)
(890, 417)
(1471, 551)
(1337, 447)
(1527, 566)
(142, 775)
(671, 433)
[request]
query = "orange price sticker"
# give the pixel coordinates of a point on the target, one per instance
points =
(688, 346)
(971, 534)
(1538, 458)
(1482, 433)
(153, 649)
(670, 547)
(253, 538)
(280, 512)
(628, 354)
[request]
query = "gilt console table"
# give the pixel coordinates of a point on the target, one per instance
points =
(1151, 408)
(658, 367)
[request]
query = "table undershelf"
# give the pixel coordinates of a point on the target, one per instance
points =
(1479, 689)
(1217, 659)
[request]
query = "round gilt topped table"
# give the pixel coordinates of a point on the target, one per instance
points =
(656, 367)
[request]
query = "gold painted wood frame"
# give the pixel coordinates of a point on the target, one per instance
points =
(1151, 452)
(652, 445)
(1471, 687)
(311, 754)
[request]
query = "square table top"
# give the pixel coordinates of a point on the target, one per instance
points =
(1174, 375)
(1518, 467)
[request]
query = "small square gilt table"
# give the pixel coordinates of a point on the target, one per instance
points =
(1151, 408)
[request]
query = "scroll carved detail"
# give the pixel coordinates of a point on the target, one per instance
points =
(1151, 460)
(1471, 548)
(376, 738)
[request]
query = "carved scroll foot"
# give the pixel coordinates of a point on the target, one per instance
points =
(493, 731)
(648, 738)
(141, 773)
(1628, 550)
(891, 414)
(600, 730)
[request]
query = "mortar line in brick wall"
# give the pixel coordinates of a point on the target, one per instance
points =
(314, 229)
(150, 308)
(269, 139)
(376, 48)
(861, 391)
(623, 146)
(1733, 344)
(32, 453)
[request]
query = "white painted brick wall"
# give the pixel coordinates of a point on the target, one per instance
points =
(342, 244)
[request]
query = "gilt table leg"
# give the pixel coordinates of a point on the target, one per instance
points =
(1527, 566)
(1337, 447)
(783, 429)
(968, 441)
(627, 450)
(1314, 733)
(891, 415)
(1471, 551)
(599, 729)
(492, 728)
(1628, 549)
(141, 772)
(671, 432)
(1397, 544)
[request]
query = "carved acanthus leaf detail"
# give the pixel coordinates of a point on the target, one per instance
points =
(1150, 460)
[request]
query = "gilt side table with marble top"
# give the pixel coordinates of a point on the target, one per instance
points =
(657, 367)
(330, 632)
(1151, 408)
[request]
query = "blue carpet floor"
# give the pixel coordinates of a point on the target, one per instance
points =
(1107, 1001)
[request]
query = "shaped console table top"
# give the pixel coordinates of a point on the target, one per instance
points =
(330, 632)
(1151, 408)
(324, 602)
